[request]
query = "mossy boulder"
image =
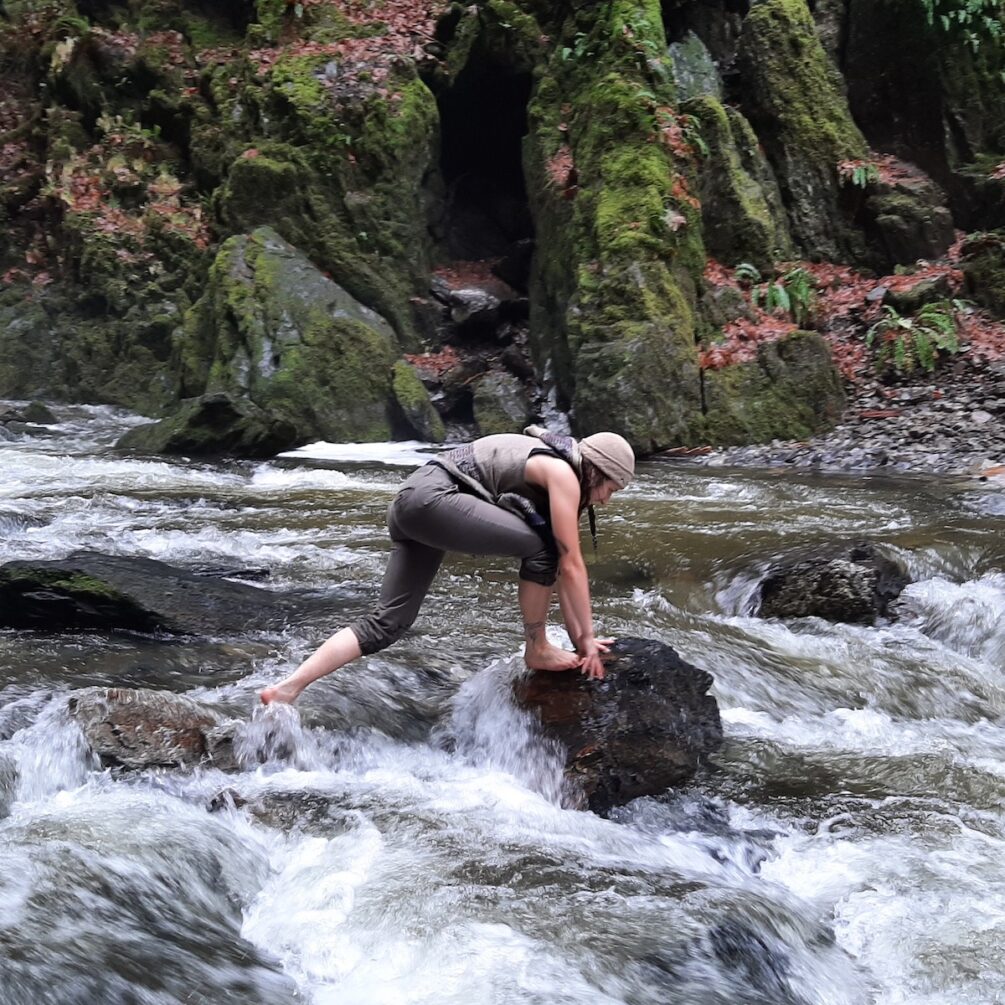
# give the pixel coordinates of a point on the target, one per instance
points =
(272, 329)
(500, 404)
(88, 591)
(416, 408)
(789, 392)
(984, 270)
(906, 217)
(213, 425)
(743, 218)
(618, 228)
(337, 165)
(53, 347)
(793, 96)
(279, 187)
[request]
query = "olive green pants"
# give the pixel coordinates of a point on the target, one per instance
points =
(430, 516)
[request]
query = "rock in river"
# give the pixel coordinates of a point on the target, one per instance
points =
(140, 728)
(856, 585)
(644, 729)
(93, 592)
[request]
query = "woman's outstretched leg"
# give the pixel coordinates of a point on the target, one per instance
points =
(407, 578)
(341, 648)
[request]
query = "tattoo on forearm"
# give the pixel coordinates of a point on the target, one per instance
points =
(533, 630)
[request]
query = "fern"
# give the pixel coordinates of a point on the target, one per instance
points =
(972, 21)
(903, 344)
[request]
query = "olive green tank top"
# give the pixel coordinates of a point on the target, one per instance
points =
(502, 463)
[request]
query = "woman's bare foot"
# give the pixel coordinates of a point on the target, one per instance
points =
(549, 657)
(281, 692)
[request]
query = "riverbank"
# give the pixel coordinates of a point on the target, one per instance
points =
(950, 424)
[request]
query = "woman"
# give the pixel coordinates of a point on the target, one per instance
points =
(501, 495)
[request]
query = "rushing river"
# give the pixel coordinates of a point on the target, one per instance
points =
(409, 845)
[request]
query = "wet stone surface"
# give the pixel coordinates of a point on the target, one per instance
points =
(642, 730)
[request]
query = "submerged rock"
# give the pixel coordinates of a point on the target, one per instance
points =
(644, 729)
(855, 586)
(137, 728)
(93, 592)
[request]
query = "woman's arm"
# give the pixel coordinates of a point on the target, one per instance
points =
(562, 486)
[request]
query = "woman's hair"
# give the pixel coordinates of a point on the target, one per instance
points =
(590, 477)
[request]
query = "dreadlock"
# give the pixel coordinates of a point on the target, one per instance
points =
(590, 478)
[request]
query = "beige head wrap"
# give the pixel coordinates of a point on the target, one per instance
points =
(612, 454)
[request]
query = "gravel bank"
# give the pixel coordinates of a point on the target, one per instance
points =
(951, 423)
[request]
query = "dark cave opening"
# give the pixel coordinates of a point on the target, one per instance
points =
(483, 116)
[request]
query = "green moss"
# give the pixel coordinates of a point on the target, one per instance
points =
(413, 400)
(612, 305)
(793, 96)
(791, 391)
(76, 584)
(741, 212)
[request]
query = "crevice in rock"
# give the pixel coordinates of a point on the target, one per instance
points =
(716, 22)
(483, 117)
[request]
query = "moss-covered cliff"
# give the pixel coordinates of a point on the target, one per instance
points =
(635, 146)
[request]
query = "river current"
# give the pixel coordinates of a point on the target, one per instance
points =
(400, 838)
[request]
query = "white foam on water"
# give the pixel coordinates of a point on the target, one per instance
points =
(51, 754)
(406, 453)
(919, 912)
(968, 618)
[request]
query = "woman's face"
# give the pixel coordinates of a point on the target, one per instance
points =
(600, 495)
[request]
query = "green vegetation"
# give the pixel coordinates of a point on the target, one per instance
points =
(904, 344)
(793, 293)
(859, 173)
(974, 21)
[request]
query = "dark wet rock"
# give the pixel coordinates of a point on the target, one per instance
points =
(856, 586)
(763, 969)
(984, 270)
(138, 728)
(302, 811)
(37, 412)
(477, 303)
(642, 730)
(907, 219)
(211, 425)
(8, 784)
(93, 592)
